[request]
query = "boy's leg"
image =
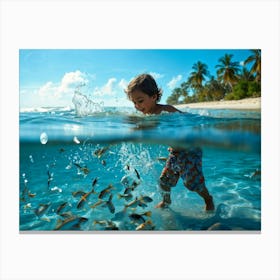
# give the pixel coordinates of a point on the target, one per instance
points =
(168, 178)
(166, 199)
(202, 191)
(194, 179)
(208, 199)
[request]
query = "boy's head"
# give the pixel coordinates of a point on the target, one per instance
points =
(144, 83)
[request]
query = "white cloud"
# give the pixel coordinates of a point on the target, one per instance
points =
(47, 89)
(69, 82)
(123, 84)
(60, 93)
(108, 89)
(156, 75)
(72, 80)
(172, 84)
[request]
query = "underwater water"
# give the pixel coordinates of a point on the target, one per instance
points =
(95, 168)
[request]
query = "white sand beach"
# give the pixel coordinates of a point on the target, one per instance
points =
(242, 104)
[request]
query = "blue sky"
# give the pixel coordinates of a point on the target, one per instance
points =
(49, 77)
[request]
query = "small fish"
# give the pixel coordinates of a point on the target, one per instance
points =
(162, 158)
(105, 191)
(83, 199)
(27, 206)
(70, 223)
(137, 173)
(145, 198)
(148, 214)
(256, 173)
(110, 204)
(130, 188)
(66, 215)
(126, 196)
(31, 194)
(138, 218)
(50, 178)
(99, 202)
(24, 192)
(45, 219)
(135, 184)
(61, 206)
(79, 192)
(148, 225)
(83, 169)
(108, 225)
(133, 203)
(41, 209)
(85, 195)
(142, 204)
(100, 151)
(111, 227)
(100, 222)
(94, 182)
(103, 162)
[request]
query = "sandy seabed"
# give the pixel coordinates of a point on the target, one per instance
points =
(242, 104)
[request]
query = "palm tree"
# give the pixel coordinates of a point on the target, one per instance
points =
(255, 58)
(227, 70)
(214, 90)
(197, 77)
(175, 96)
(246, 75)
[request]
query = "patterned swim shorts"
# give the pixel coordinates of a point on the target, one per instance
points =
(186, 164)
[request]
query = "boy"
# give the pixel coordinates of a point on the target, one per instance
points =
(187, 164)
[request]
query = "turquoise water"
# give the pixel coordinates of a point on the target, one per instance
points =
(76, 165)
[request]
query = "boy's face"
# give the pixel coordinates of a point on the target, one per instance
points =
(143, 102)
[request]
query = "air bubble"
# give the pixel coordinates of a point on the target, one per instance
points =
(76, 140)
(31, 159)
(44, 138)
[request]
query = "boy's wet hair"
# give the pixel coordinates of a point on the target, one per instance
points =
(145, 83)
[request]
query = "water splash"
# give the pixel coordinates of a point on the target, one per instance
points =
(84, 106)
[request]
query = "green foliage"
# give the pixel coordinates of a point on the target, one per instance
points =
(196, 78)
(214, 90)
(227, 70)
(172, 100)
(255, 61)
(231, 82)
(244, 89)
(176, 95)
(254, 89)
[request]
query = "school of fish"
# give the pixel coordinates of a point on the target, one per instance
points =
(133, 212)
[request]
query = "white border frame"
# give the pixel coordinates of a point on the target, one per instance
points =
(139, 24)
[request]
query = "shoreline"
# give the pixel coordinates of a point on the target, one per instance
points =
(242, 104)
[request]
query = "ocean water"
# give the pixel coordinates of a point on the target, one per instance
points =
(95, 168)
